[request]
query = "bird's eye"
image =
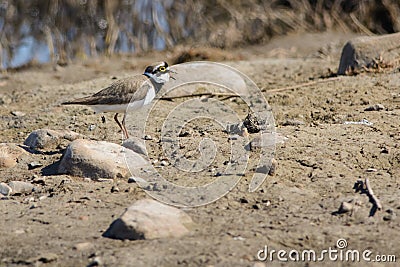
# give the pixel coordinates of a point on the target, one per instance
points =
(162, 69)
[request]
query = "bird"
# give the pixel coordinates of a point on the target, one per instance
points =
(128, 94)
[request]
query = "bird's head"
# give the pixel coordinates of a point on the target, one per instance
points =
(159, 72)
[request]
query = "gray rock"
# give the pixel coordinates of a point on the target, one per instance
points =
(366, 51)
(149, 219)
(48, 139)
(99, 159)
(34, 164)
(9, 154)
(43, 139)
(376, 107)
(135, 144)
(5, 189)
(20, 187)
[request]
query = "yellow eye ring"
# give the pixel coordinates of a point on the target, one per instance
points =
(162, 69)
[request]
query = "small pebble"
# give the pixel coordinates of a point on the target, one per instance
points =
(83, 246)
(164, 163)
(92, 127)
(17, 113)
(148, 137)
(345, 207)
(34, 164)
(5, 189)
(243, 200)
(376, 107)
(114, 189)
(42, 198)
(39, 180)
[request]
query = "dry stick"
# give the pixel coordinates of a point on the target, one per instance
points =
(199, 94)
(227, 95)
(375, 200)
(302, 85)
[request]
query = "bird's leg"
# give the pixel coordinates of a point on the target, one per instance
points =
(123, 125)
(119, 124)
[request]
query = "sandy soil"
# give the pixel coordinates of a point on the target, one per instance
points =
(318, 166)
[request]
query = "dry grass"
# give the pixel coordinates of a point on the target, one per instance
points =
(81, 28)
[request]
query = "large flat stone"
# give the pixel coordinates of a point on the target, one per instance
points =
(149, 219)
(99, 159)
(366, 51)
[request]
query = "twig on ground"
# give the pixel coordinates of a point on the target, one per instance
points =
(226, 95)
(375, 201)
(302, 85)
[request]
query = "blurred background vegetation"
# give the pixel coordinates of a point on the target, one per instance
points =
(57, 31)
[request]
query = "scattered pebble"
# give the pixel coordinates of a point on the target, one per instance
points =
(39, 180)
(92, 127)
(96, 261)
(376, 107)
(361, 122)
(243, 200)
(114, 189)
(83, 246)
(164, 163)
(9, 154)
(5, 189)
(390, 215)
(140, 181)
(345, 207)
(371, 170)
(251, 123)
(149, 219)
(234, 137)
(272, 169)
(148, 137)
(18, 113)
(34, 164)
(47, 257)
(20, 187)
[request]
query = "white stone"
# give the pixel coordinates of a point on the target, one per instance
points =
(99, 159)
(9, 154)
(20, 187)
(5, 189)
(149, 219)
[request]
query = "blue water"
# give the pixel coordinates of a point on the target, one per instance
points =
(30, 48)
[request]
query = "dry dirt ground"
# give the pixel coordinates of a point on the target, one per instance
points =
(318, 165)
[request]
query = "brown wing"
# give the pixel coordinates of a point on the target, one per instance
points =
(119, 92)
